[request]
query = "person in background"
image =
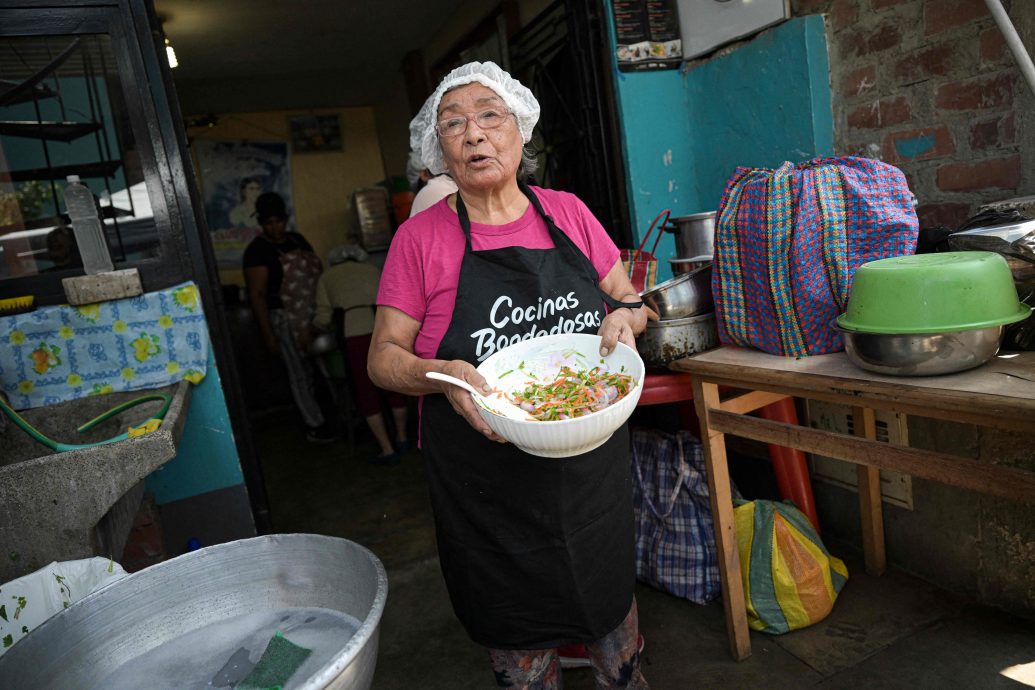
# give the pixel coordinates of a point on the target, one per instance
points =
(351, 285)
(430, 188)
(535, 555)
(62, 249)
(243, 215)
(281, 271)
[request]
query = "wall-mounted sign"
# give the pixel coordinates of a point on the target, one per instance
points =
(708, 24)
(646, 34)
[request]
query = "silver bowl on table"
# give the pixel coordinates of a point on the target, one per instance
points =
(921, 354)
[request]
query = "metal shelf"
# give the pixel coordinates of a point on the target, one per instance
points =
(84, 170)
(49, 131)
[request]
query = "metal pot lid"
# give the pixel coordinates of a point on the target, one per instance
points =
(1008, 232)
(694, 259)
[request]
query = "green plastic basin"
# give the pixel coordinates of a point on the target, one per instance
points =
(932, 293)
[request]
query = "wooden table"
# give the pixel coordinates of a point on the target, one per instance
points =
(1000, 394)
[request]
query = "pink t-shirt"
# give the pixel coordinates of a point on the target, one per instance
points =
(423, 265)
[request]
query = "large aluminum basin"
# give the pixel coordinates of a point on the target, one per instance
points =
(204, 619)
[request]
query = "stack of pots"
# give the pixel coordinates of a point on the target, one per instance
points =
(684, 303)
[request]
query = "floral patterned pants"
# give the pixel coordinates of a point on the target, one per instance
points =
(615, 660)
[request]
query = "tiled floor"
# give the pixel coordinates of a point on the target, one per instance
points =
(889, 632)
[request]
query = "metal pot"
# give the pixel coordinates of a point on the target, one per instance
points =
(204, 619)
(921, 354)
(666, 341)
(685, 295)
(695, 235)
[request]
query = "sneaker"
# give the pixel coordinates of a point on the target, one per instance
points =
(321, 434)
(575, 656)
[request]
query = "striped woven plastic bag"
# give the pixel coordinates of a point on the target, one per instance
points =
(790, 579)
(788, 242)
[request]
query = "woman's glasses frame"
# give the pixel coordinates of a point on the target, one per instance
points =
(490, 118)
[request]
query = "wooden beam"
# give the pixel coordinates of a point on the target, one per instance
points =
(749, 402)
(964, 473)
(706, 397)
(864, 423)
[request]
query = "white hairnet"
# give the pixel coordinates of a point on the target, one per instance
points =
(517, 98)
(344, 252)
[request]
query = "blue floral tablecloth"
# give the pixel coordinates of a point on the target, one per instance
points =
(63, 352)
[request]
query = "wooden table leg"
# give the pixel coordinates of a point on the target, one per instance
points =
(706, 396)
(870, 508)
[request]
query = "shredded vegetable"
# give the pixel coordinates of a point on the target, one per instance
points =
(572, 393)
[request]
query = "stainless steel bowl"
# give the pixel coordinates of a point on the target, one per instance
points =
(666, 341)
(921, 354)
(204, 619)
(685, 295)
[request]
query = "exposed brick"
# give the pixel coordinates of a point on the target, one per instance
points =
(918, 144)
(1003, 173)
(984, 135)
(950, 215)
(940, 15)
(988, 92)
(843, 13)
(860, 43)
(1008, 131)
(859, 82)
(992, 46)
(933, 61)
(886, 112)
(884, 4)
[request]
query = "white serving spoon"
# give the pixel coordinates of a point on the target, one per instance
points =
(494, 404)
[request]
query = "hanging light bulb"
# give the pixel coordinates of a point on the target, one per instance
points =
(170, 54)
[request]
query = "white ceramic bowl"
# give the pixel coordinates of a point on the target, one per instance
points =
(543, 358)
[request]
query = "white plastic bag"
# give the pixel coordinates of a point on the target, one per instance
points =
(26, 602)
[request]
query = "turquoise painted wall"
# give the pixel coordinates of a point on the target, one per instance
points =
(207, 459)
(684, 131)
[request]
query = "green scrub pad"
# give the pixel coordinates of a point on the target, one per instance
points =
(280, 660)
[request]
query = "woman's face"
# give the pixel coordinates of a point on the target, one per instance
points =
(274, 227)
(479, 159)
(251, 191)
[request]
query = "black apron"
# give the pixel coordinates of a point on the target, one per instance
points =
(536, 552)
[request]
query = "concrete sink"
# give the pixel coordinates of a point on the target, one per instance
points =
(79, 503)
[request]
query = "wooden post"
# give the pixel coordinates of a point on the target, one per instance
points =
(864, 424)
(706, 397)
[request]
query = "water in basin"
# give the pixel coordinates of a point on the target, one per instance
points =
(222, 653)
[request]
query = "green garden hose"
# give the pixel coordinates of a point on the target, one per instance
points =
(62, 447)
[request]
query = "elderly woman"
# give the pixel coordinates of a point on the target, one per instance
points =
(536, 554)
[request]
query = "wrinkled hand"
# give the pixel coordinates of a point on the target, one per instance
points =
(616, 328)
(462, 401)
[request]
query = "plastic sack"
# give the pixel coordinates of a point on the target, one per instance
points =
(790, 580)
(642, 266)
(26, 602)
(675, 540)
(788, 242)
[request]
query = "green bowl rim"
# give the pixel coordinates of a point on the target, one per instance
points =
(1023, 312)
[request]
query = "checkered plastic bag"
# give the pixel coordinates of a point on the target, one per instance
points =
(788, 242)
(675, 540)
(641, 266)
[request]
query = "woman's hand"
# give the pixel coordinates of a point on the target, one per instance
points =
(462, 401)
(617, 327)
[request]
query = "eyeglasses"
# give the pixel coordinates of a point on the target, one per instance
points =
(486, 119)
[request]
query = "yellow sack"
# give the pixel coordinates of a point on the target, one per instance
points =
(790, 580)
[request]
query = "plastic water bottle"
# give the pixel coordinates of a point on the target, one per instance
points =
(89, 233)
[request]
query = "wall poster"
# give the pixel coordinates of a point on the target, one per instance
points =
(647, 34)
(233, 175)
(310, 133)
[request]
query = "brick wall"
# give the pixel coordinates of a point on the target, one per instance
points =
(930, 86)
